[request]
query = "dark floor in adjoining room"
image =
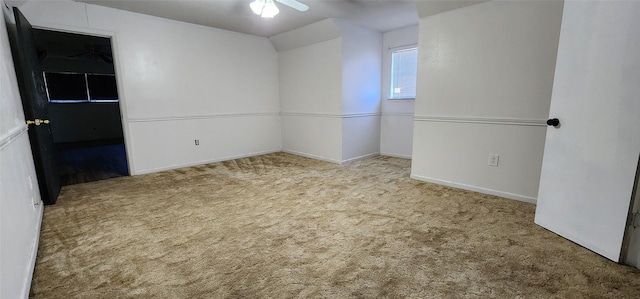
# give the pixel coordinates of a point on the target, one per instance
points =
(82, 162)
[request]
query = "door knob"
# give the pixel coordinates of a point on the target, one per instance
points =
(38, 122)
(553, 122)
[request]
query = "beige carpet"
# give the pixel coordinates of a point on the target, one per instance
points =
(282, 226)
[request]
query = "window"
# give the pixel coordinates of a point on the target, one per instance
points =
(102, 88)
(404, 66)
(80, 88)
(66, 87)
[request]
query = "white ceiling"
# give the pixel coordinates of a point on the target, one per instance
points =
(235, 15)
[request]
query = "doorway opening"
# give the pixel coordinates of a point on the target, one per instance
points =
(84, 107)
(630, 253)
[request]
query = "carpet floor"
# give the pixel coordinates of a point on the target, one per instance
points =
(283, 226)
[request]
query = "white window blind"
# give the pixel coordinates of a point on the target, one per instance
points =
(404, 66)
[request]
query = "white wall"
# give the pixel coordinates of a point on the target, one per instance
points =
(361, 68)
(485, 77)
(314, 136)
(360, 137)
(396, 128)
(20, 204)
(361, 79)
(310, 80)
(329, 91)
(310, 100)
(177, 80)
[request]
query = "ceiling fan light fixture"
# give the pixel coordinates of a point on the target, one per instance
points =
(264, 8)
(257, 6)
(270, 10)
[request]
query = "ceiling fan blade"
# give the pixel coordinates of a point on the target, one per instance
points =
(294, 4)
(77, 55)
(106, 58)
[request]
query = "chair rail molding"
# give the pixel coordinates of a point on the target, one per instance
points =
(482, 120)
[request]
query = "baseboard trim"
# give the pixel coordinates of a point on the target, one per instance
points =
(310, 156)
(508, 195)
(396, 155)
(202, 162)
(347, 161)
(34, 254)
(341, 162)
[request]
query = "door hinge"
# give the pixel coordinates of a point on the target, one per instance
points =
(38, 122)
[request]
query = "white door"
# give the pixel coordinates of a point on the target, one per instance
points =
(590, 160)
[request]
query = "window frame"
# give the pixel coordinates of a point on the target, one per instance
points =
(92, 99)
(87, 90)
(392, 51)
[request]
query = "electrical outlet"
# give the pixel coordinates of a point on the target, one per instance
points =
(197, 141)
(493, 160)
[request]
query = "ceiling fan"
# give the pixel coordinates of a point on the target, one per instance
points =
(94, 52)
(268, 9)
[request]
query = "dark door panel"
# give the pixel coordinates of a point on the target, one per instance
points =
(34, 102)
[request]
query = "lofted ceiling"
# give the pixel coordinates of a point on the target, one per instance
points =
(235, 15)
